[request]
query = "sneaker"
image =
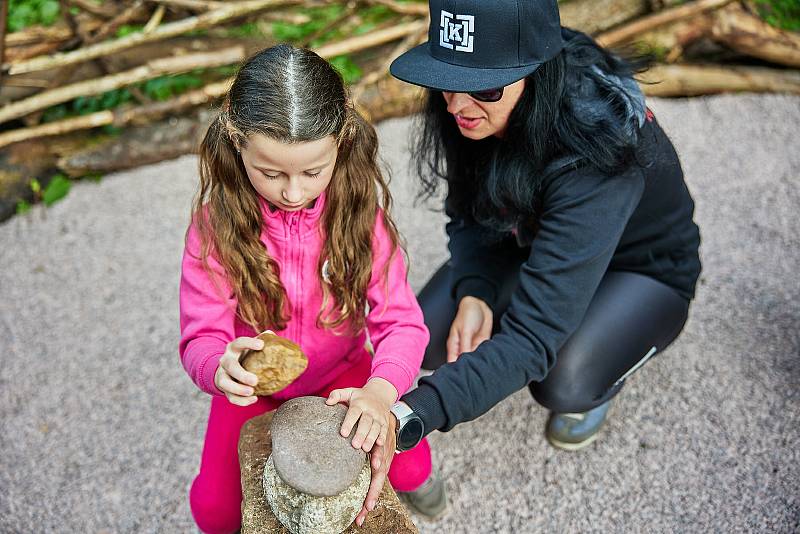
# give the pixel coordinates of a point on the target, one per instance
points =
(573, 431)
(430, 499)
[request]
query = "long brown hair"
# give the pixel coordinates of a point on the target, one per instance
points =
(291, 95)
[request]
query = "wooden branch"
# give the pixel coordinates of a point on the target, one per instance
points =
(199, 6)
(592, 16)
(643, 24)
(109, 28)
(120, 117)
(695, 80)
(403, 9)
(155, 20)
(413, 39)
(346, 14)
(371, 39)
(98, 10)
(153, 69)
(212, 18)
(746, 33)
(3, 19)
(37, 34)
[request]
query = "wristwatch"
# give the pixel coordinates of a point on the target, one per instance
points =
(410, 430)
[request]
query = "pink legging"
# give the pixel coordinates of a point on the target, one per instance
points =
(216, 493)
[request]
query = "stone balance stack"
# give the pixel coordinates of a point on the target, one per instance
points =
(299, 475)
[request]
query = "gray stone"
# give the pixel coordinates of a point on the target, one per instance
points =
(302, 513)
(309, 453)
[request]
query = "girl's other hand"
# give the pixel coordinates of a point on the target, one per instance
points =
(369, 407)
(231, 378)
(471, 327)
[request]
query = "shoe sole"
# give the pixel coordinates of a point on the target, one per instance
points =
(408, 504)
(567, 446)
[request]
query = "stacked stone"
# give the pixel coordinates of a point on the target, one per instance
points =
(313, 481)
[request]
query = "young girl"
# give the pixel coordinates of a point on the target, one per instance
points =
(287, 234)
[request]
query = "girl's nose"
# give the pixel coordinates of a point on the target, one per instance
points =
(292, 193)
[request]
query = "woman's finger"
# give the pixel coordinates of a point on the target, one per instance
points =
(466, 341)
(374, 433)
(452, 345)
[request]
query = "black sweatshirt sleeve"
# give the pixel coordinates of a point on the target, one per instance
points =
(476, 265)
(584, 215)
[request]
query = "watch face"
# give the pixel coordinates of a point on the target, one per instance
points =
(410, 435)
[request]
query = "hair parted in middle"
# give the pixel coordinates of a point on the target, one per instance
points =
(291, 95)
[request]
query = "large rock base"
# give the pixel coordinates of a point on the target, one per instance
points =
(255, 446)
(307, 514)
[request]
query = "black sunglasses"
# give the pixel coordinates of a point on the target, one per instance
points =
(489, 95)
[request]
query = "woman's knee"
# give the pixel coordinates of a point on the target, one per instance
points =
(216, 510)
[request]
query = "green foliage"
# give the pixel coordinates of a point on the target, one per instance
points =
(320, 17)
(24, 13)
(784, 14)
(36, 187)
(165, 87)
(248, 29)
(127, 29)
(161, 88)
(350, 72)
(56, 190)
(23, 207)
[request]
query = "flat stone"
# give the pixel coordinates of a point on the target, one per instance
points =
(255, 447)
(277, 365)
(309, 453)
(302, 513)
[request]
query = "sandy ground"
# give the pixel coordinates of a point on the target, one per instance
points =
(102, 429)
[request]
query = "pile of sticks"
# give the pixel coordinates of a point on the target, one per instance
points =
(40, 66)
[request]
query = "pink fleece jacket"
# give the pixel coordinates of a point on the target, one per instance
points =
(294, 239)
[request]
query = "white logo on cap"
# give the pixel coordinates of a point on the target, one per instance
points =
(457, 34)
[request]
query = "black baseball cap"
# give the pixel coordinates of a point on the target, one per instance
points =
(476, 45)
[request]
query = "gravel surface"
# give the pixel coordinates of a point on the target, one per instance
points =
(102, 429)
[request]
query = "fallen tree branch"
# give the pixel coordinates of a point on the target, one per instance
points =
(695, 80)
(583, 14)
(369, 40)
(194, 5)
(120, 117)
(206, 20)
(152, 69)
(403, 9)
(746, 33)
(644, 24)
(104, 11)
(190, 99)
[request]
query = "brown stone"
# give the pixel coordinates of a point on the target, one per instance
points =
(277, 365)
(255, 446)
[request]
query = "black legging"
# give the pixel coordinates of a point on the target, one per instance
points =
(630, 318)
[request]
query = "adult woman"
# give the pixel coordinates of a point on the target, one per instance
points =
(573, 251)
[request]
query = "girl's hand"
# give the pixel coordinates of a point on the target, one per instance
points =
(231, 378)
(471, 327)
(369, 406)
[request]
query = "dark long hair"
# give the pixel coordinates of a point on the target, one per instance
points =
(291, 95)
(569, 107)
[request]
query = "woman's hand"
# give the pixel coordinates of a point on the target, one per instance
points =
(382, 456)
(231, 378)
(369, 407)
(471, 327)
